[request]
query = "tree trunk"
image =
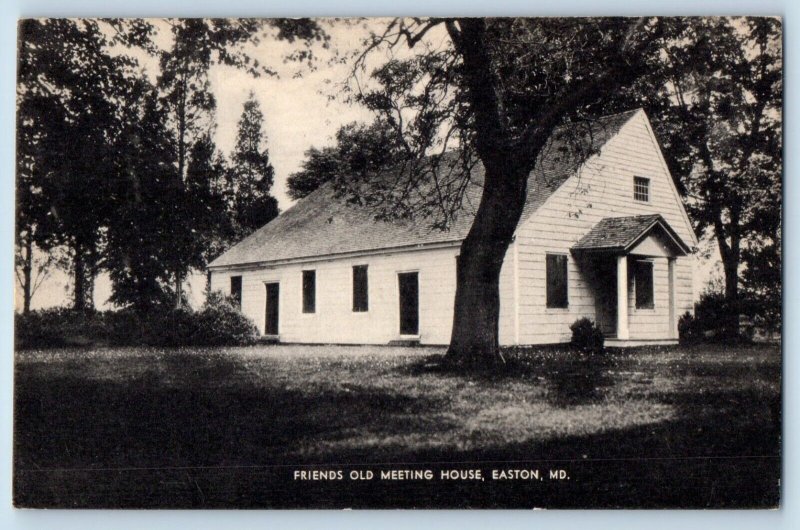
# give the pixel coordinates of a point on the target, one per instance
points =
(178, 289)
(27, 267)
(730, 253)
(475, 335)
(181, 171)
(79, 273)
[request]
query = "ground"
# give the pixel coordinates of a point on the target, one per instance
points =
(138, 427)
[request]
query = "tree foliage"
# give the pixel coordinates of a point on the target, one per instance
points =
(69, 89)
(719, 114)
(360, 150)
(251, 176)
(119, 174)
(497, 89)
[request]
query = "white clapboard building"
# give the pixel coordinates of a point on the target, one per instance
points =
(606, 239)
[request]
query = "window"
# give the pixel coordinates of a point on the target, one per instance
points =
(556, 280)
(643, 284)
(309, 291)
(360, 289)
(641, 189)
(236, 289)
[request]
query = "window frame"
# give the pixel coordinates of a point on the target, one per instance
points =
(641, 183)
(556, 303)
(359, 308)
(640, 265)
(309, 292)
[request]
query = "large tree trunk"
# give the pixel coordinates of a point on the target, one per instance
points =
(475, 335)
(730, 253)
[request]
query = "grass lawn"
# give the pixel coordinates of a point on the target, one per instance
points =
(137, 427)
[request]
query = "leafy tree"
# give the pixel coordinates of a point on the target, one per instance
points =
(498, 91)
(68, 86)
(359, 150)
(719, 115)
(252, 174)
(142, 226)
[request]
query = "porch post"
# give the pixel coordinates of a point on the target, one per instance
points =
(673, 323)
(622, 297)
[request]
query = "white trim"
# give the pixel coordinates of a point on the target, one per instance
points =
(664, 166)
(258, 265)
(622, 297)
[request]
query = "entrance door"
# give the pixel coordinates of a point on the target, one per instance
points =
(271, 324)
(409, 303)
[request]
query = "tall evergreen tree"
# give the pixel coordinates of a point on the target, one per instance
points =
(252, 173)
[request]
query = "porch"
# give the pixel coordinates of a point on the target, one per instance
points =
(630, 266)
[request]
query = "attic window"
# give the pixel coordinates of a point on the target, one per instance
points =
(641, 189)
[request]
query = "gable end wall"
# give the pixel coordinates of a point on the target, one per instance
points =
(603, 188)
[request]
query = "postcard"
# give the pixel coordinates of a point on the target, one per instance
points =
(398, 263)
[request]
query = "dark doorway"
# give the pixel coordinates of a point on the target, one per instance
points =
(409, 303)
(271, 324)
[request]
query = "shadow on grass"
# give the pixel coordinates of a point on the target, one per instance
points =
(143, 442)
(573, 378)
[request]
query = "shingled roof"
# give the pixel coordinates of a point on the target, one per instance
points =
(620, 234)
(324, 223)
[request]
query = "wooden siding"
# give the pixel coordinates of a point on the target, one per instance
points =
(335, 321)
(603, 188)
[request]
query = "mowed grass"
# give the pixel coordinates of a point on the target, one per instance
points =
(80, 414)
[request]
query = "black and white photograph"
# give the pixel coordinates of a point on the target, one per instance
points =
(406, 263)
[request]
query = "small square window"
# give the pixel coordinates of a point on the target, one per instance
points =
(641, 189)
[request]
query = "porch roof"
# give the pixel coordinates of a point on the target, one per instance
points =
(621, 234)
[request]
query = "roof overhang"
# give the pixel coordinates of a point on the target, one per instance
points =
(609, 237)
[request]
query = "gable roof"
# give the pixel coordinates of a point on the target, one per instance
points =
(324, 223)
(621, 234)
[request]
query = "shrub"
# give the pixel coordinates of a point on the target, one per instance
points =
(218, 323)
(587, 337)
(221, 322)
(46, 328)
(717, 320)
(689, 330)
